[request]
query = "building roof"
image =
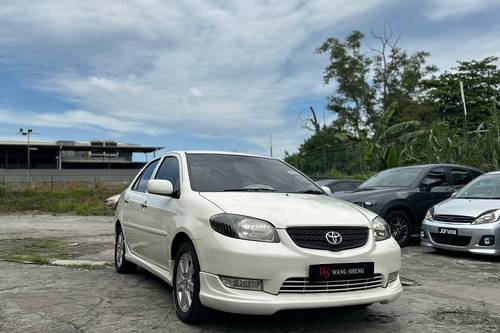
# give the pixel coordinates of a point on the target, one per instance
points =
(80, 145)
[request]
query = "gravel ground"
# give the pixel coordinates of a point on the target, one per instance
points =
(444, 292)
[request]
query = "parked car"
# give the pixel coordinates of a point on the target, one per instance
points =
(339, 185)
(112, 201)
(403, 195)
(252, 235)
(469, 221)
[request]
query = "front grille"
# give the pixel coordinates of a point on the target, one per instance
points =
(303, 286)
(454, 218)
(451, 239)
(315, 237)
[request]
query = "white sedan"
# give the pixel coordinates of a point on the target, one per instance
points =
(252, 235)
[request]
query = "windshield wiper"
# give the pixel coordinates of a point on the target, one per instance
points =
(310, 192)
(257, 189)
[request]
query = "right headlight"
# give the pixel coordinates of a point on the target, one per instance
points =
(381, 229)
(429, 216)
(244, 227)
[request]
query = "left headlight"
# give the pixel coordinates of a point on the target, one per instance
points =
(488, 217)
(244, 227)
(381, 229)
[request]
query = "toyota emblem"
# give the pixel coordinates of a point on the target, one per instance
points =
(333, 237)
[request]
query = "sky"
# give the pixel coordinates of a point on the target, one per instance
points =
(203, 74)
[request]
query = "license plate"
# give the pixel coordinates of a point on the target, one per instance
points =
(332, 272)
(447, 231)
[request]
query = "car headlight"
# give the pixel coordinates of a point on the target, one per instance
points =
(488, 217)
(381, 229)
(429, 216)
(367, 204)
(244, 227)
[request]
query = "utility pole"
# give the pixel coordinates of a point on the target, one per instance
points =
(28, 133)
(466, 127)
(271, 144)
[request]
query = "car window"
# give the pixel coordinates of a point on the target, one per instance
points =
(169, 170)
(142, 183)
(341, 187)
(460, 177)
(224, 172)
(484, 187)
(355, 185)
(398, 177)
(435, 177)
(475, 173)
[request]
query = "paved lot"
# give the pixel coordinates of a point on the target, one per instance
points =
(445, 292)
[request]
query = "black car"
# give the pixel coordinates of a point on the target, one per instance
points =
(403, 195)
(339, 185)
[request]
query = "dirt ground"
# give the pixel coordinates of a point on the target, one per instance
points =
(444, 292)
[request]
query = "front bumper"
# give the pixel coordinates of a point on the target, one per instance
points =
(273, 263)
(475, 232)
(215, 295)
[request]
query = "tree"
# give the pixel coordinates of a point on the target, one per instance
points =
(481, 80)
(354, 98)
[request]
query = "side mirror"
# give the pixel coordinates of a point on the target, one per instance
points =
(160, 187)
(327, 190)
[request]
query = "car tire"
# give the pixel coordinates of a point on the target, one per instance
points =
(400, 224)
(186, 286)
(122, 265)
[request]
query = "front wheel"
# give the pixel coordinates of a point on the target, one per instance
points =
(400, 223)
(186, 286)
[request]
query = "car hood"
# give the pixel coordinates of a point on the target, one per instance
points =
(362, 194)
(286, 210)
(466, 207)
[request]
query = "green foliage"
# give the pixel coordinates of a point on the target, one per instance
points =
(390, 113)
(79, 199)
(481, 80)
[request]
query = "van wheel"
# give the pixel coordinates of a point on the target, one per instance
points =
(122, 265)
(400, 224)
(186, 286)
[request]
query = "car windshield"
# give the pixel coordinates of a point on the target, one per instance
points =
(483, 187)
(238, 173)
(393, 178)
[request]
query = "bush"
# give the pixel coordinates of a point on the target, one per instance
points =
(68, 198)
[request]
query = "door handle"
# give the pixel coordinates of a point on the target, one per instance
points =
(144, 204)
(126, 199)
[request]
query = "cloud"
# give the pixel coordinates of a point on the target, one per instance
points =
(447, 48)
(207, 68)
(440, 9)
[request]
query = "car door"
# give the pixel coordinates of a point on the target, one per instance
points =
(460, 177)
(161, 213)
(133, 214)
(426, 197)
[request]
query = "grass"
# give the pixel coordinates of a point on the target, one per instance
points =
(34, 251)
(67, 198)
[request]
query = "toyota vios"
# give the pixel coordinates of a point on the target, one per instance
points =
(469, 221)
(252, 235)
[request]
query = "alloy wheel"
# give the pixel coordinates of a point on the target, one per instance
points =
(184, 282)
(399, 228)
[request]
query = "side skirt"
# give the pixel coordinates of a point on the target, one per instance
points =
(158, 271)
